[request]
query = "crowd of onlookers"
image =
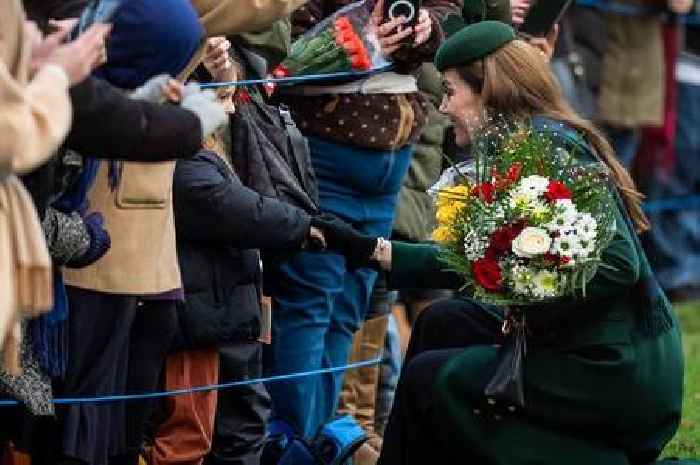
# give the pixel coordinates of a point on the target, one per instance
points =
(138, 211)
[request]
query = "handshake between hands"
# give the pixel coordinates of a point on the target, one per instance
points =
(328, 232)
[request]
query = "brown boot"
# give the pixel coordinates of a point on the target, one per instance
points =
(365, 455)
(359, 394)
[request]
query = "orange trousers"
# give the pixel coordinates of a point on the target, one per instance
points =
(185, 437)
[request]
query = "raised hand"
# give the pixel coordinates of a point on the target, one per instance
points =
(390, 33)
(80, 57)
(519, 9)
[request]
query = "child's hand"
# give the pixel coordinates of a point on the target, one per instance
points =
(173, 90)
(159, 89)
(217, 59)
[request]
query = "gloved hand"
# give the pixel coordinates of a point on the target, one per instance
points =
(152, 90)
(205, 105)
(343, 239)
(100, 242)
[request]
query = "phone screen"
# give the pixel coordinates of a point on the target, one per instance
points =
(97, 11)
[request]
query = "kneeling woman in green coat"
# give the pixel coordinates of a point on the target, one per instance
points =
(603, 375)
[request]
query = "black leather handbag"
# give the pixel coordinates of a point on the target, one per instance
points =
(505, 389)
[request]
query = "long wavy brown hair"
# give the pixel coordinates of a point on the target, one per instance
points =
(516, 82)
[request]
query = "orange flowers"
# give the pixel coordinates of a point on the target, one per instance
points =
(337, 47)
(354, 46)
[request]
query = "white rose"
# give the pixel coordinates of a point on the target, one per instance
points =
(532, 242)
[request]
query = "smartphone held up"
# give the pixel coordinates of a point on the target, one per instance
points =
(543, 15)
(408, 9)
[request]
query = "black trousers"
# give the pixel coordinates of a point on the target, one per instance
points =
(441, 332)
(117, 344)
(151, 337)
(242, 412)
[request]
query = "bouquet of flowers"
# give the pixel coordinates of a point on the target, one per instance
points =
(342, 42)
(530, 224)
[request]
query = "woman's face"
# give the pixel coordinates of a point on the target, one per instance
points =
(464, 106)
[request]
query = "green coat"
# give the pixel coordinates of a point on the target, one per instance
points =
(607, 381)
(415, 211)
(605, 391)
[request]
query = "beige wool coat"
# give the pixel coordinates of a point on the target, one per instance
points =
(633, 70)
(139, 217)
(35, 115)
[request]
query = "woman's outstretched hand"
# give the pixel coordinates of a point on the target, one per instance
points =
(357, 248)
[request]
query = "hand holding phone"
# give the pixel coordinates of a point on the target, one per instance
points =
(79, 57)
(408, 9)
(395, 29)
(97, 11)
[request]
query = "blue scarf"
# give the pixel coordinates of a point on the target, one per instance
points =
(48, 332)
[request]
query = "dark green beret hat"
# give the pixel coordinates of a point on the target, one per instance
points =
(472, 43)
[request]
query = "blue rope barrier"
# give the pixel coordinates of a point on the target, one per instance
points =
(297, 79)
(192, 390)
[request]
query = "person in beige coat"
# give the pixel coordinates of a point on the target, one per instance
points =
(35, 115)
(632, 72)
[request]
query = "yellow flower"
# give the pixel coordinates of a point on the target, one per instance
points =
(447, 214)
(443, 234)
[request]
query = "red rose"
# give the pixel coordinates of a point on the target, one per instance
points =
(280, 71)
(557, 191)
(501, 241)
(487, 274)
(361, 62)
(556, 259)
(343, 23)
(242, 97)
(484, 191)
(513, 173)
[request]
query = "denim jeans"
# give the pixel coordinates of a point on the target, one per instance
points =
(388, 376)
(318, 303)
(625, 141)
(673, 244)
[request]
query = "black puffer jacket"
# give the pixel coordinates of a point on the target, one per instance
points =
(220, 225)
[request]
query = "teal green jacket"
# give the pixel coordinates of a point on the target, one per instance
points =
(610, 392)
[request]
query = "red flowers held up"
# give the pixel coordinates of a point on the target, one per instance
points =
(503, 182)
(557, 191)
(487, 274)
(354, 46)
(501, 241)
(485, 191)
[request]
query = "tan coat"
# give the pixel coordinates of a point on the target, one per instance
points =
(35, 116)
(139, 218)
(632, 74)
